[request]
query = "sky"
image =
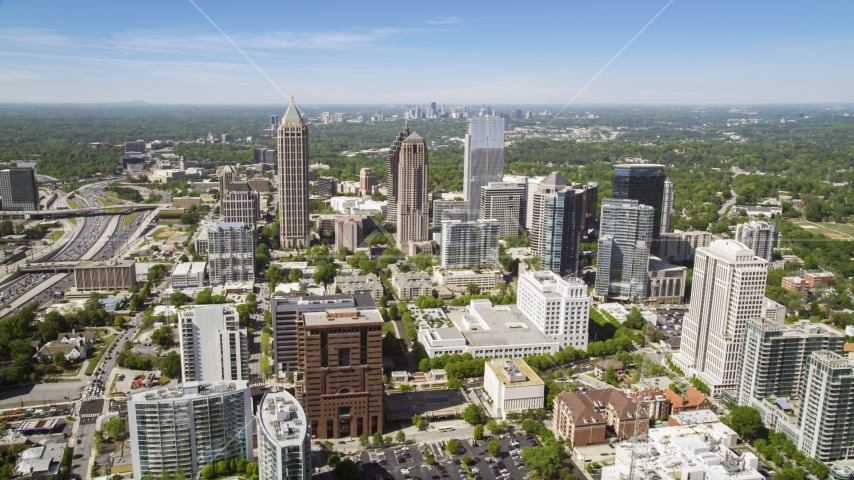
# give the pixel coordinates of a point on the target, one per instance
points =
(462, 52)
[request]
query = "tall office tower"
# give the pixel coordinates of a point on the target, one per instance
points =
(470, 244)
(241, 204)
(227, 175)
(530, 190)
(590, 190)
(348, 232)
(826, 420)
(728, 288)
(558, 307)
(644, 183)
(367, 181)
(341, 372)
(213, 344)
(287, 309)
(284, 438)
(667, 206)
(136, 147)
(190, 426)
(518, 114)
(231, 253)
(775, 358)
(556, 224)
(293, 179)
(761, 237)
(440, 207)
(625, 234)
(392, 172)
(326, 186)
(484, 158)
(19, 189)
(503, 201)
(413, 209)
(274, 121)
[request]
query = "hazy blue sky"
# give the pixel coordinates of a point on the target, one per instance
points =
(730, 52)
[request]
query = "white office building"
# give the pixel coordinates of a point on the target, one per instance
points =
(512, 386)
(190, 426)
(188, 274)
(284, 438)
(728, 288)
(558, 307)
(214, 347)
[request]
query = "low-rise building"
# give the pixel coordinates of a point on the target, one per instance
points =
(666, 282)
(657, 404)
(818, 280)
(89, 276)
(369, 284)
(72, 353)
(411, 285)
(692, 417)
(794, 284)
(202, 241)
(459, 278)
(188, 274)
(512, 387)
(40, 461)
(186, 202)
(692, 399)
(583, 417)
(284, 438)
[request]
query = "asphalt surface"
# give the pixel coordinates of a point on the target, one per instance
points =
(83, 439)
(41, 391)
(21, 286)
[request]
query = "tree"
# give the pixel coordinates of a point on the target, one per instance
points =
(496, 427)
(295, 275)
(478, 432)
(472, 415)
(364, 441)
(162, 336)
(378, 439)
(59, 360)
(531, 426)
(325, 273)
(221, 467)
(171, 365)
(333, 461)
(400, 437)
(493, 447)
(634, 319)
(183, 258)
(453, 446)
(208, 472)
(262, 257)
(473, 289)
(114, 427)
(746, 421)
(610, 377)
(546, 460)
(347, 470)
(419, 422)
(178, 299)
(465, 460)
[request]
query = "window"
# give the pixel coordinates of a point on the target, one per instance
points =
(343, 357)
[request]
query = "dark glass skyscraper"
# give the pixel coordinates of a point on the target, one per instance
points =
(644, 183)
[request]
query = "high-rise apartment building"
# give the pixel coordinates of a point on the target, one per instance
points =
(227, 175)
(241, 204)
(470, 244)
(644, 183)
(503, 201)
(340, 364)
(213, 344)
(287, 309)
(231, 253)
(667, 206)
(775, 358)
(367, 181)
(546, 187)
(759, 236)
(392, 173)
(728, 288)
(190, 426)
(483, 160)
(19, 189)
(625, 234)
(557, 224)
(826, 421)
(293, 179)
(348, 232)
(284, 438)
(440, 207)
(558, 307)
(531, 184)
(413, 209)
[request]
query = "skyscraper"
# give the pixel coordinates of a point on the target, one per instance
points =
(348, 232)
(530, 190)
(644, 183)
(413, 211)
(558, 216)
(293, 179)
(825, 421)
(231, 253)
(667, 206)
(759, 236)
(392, 172)
(367, 181)
(19, 189)
(469, 244)
(728, 288)
(284, 438)
(503, 201)
(625, 234)
(484, 158)
(213, 344)
(241, 204)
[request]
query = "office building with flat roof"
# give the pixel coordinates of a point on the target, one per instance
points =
(189, 426)
(349, 232)
(504, 202)
(214, 346)
(666, 282)
(340, 372)
(625, 236)
(293, 179)
(188, 274)
(644, 183)
(558, 307)
(469, 244)
(483, 158)
(513, 387)
(241, 204)
(231, 253)
(442, 207)
(19, 189)
(105, 275)
(284, 438)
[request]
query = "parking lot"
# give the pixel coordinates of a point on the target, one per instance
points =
(408, 462)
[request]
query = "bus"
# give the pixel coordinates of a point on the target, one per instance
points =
(446, 429)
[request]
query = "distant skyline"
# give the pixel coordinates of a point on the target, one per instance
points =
(501, 53)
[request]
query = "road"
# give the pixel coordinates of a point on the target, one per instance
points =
(729, 203)
(86, 418)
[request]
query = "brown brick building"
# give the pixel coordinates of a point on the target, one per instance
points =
(340, 372)
(583, 418)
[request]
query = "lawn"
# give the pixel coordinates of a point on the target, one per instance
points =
(73, 221)
(130, 218)
(837, 231)
(56, 235)
(73, 203)
(106, 201)
(92, 365)
(164, 233)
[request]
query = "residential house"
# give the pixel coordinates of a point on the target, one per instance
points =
(693, 399)
(72, 353)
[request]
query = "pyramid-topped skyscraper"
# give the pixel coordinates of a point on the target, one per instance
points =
(293, 179)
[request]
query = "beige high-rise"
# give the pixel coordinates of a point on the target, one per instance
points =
(392, 170)
(367, 181)
(293, 179)
(226, 177)
(412, 207)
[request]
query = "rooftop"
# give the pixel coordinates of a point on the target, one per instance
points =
(507, 369)
(485, 325)
(186, 268)
(281, 419)
(341, 316)
(188, 391)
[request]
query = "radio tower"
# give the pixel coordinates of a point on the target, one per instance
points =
(640, 438)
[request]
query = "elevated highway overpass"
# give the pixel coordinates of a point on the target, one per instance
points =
(80, 212)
